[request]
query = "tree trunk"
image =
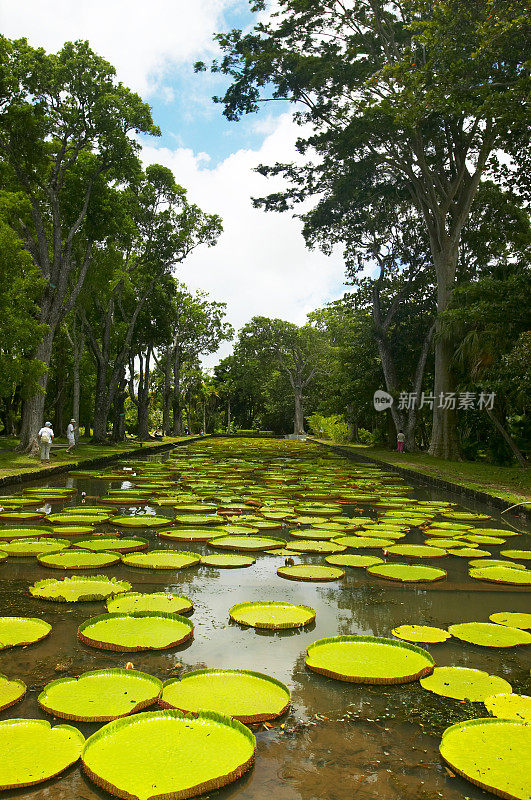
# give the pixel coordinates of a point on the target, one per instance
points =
(176, 398)
(228, 415)
(444, 442)
(298, 427)
(510, 443)
(33, 407)
(204, 416)
(102, 405)
(76, 382)
(166, 402)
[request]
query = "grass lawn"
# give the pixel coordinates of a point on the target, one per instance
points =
(12, 463)
(512, 484)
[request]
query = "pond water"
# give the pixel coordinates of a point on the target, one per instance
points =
(339, 740)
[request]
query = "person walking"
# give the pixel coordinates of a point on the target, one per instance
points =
(400, 441)
(45, 437)
(71, 429)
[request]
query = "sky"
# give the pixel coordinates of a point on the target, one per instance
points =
(260, 265)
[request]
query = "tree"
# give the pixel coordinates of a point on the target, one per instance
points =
(65, 125)
(413, 99)
(299, 352)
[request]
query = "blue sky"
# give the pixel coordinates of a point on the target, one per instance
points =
(260, 265)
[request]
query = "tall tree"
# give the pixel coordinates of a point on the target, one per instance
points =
(412, 98)
(65, 133)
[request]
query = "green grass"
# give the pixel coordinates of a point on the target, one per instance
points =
(512, 484)
(12, 463)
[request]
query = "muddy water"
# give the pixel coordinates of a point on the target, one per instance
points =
(339, 741)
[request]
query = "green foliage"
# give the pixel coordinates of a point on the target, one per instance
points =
(333, 427)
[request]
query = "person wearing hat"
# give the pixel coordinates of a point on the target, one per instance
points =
(45, 437)
(71, 429)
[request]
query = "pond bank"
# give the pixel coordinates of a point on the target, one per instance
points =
(504, 497)
(18, 467)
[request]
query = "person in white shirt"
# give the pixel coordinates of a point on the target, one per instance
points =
(71, 429)
(45, 437)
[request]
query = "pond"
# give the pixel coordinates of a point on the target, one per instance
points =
(338, 740)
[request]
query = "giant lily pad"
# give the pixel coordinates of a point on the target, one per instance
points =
(137, 630)
(369, 659)
(36, 751)
(514, 619)
(472, 551)
(250, 543)
(78, 588)
(65, 518)
(78, 559)
(311, 546)
(310, 572)
(11, 691)
(197, 519)
(20, 631)
(494, 562)
(20, 516)
(514, 577)
(363, 542)
(162, 559)
(23, 548)
(272, 614)
(416, 551)
(243, 695)
(186, 534)
(125, 544)
(462, 683)
(100, 695)
(490, 753)
(227, 560)
(421, 634)
(522, 555)
(407, 573)
(487, 634)
(73, 530)
(181, 756)
(157, 601)
(510, 706)
(353, 560)
(11, 533)
(141, 521)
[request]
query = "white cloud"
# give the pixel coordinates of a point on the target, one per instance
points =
(260, 265)
(143, 40)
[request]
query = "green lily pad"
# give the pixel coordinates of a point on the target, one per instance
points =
(186, 534)
(141, 521)
(243, 695)
(514, 577)
(272, 614)
(487, 634)
(78, 588)
(363, 542)
(246, 542)
(462, 683)
(491, 753)
(157, 601)
(477, 539)
(416, 551)
(227, 560)
(445, 544)
(12, 534)
(424, 634)
(407, 573)
(20, 516)
(494, 562)
(125, 544)
(311, 546)
(11, 691)
(23, 548)
(100, 695)
(37, 751)
(137, 630)
(514, 619)
(523, 555)
(78, 559)
(510, 706)
(65, 518)
(181, 756)
(449, 526)
(197, 519)
(469, 552)
(310, 572)
(368, 659)
(73, 530)
(353, 560)
(20, 631)
(499, 532)
(316, 534)
(162, 559)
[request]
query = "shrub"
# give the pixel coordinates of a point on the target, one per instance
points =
(334, 427)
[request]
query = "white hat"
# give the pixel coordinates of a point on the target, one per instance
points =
(48, 424)
(72, 420)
